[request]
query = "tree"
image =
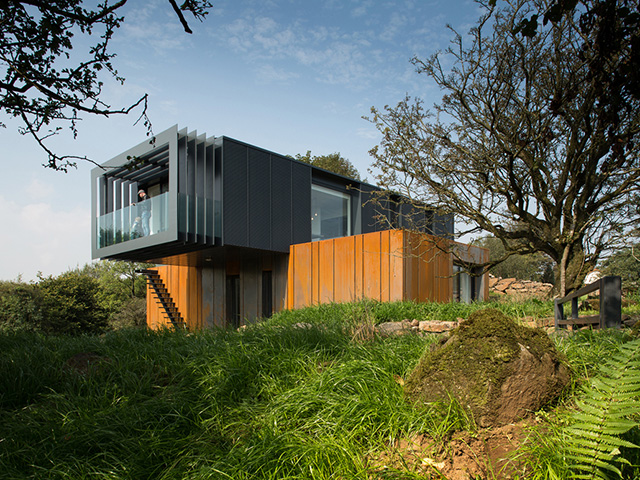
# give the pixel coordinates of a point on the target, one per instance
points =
(123, 291)
(534, 266)
(538, 132)
(333, 162)
(625, 263)
(46, 80)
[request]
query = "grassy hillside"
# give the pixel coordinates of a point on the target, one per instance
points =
(307, 394)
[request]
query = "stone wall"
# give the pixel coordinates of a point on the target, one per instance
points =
(519, 288)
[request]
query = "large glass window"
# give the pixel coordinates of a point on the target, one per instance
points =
(330, 213)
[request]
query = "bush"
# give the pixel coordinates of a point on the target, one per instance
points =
(70, 304)
(19, 306)
(132, 314)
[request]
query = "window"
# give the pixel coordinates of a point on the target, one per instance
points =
(466, 286)
(330, 213)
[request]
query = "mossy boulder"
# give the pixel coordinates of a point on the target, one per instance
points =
(499, 370)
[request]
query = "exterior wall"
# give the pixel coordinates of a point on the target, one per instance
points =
(223, 192)
(185, 286)
(387, 266)
(200, 292)
(265, 198)
(392, 265)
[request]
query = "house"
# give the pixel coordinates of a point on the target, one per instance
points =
(241, 232)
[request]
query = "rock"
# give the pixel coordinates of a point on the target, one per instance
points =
(393, 328)
(503, 284)
(435, 326)
(519, 288)
(302, 325)
(499, 370)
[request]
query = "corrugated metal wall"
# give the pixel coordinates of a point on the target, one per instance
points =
(387, 266)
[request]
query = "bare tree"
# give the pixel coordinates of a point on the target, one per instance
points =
(535, 140)
(45, 83)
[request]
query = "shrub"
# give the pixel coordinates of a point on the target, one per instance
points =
(132, 314)
(70, 304)
(19, 306)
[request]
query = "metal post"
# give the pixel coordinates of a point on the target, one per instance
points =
(558, 313)
(610, 302)
(574, 308)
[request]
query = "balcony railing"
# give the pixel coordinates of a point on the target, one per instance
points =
(142, 219)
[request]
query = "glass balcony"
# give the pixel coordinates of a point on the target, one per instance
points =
(140, 220)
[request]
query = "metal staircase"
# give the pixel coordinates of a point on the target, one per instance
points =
(162, 295)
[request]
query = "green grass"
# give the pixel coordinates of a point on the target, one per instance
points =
(307, 394)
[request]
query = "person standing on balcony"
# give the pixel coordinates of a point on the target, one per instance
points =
(144, 211)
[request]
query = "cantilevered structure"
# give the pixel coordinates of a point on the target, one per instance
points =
(241, 232)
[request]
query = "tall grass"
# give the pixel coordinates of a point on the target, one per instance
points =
(306, 394)
(276, 401)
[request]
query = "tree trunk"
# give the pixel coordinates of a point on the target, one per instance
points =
(572, 270)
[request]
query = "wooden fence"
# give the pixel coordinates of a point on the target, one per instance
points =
(610, 315)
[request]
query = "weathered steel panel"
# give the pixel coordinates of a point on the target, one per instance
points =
(344, 269)
(372, 259)
(326, 271)
(301, 271)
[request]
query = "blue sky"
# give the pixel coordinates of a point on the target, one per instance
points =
(285, 75)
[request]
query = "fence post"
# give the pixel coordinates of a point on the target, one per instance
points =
(558, 311)
(610, 302)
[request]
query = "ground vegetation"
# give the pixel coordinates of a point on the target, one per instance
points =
(301, 395)
(100, 296)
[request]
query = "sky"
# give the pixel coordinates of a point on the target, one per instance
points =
(285, 75)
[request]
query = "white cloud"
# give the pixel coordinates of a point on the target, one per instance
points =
(38, 190)
(39, 238)
(368, 133)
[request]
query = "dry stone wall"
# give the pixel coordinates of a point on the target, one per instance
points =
(519, 288)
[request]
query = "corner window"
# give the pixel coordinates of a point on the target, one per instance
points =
(330, 213)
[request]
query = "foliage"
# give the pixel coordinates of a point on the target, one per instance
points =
(47, 80)
(120, 286)
(131, 314)
(534, 132)
(101, 295)
(19, 306)
(70, 304)
(606, 410)
(534, 266)
(613, 30)
(624, 262)
(333, 162)
(292, 397)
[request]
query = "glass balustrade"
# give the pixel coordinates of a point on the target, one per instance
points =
(142, 219)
